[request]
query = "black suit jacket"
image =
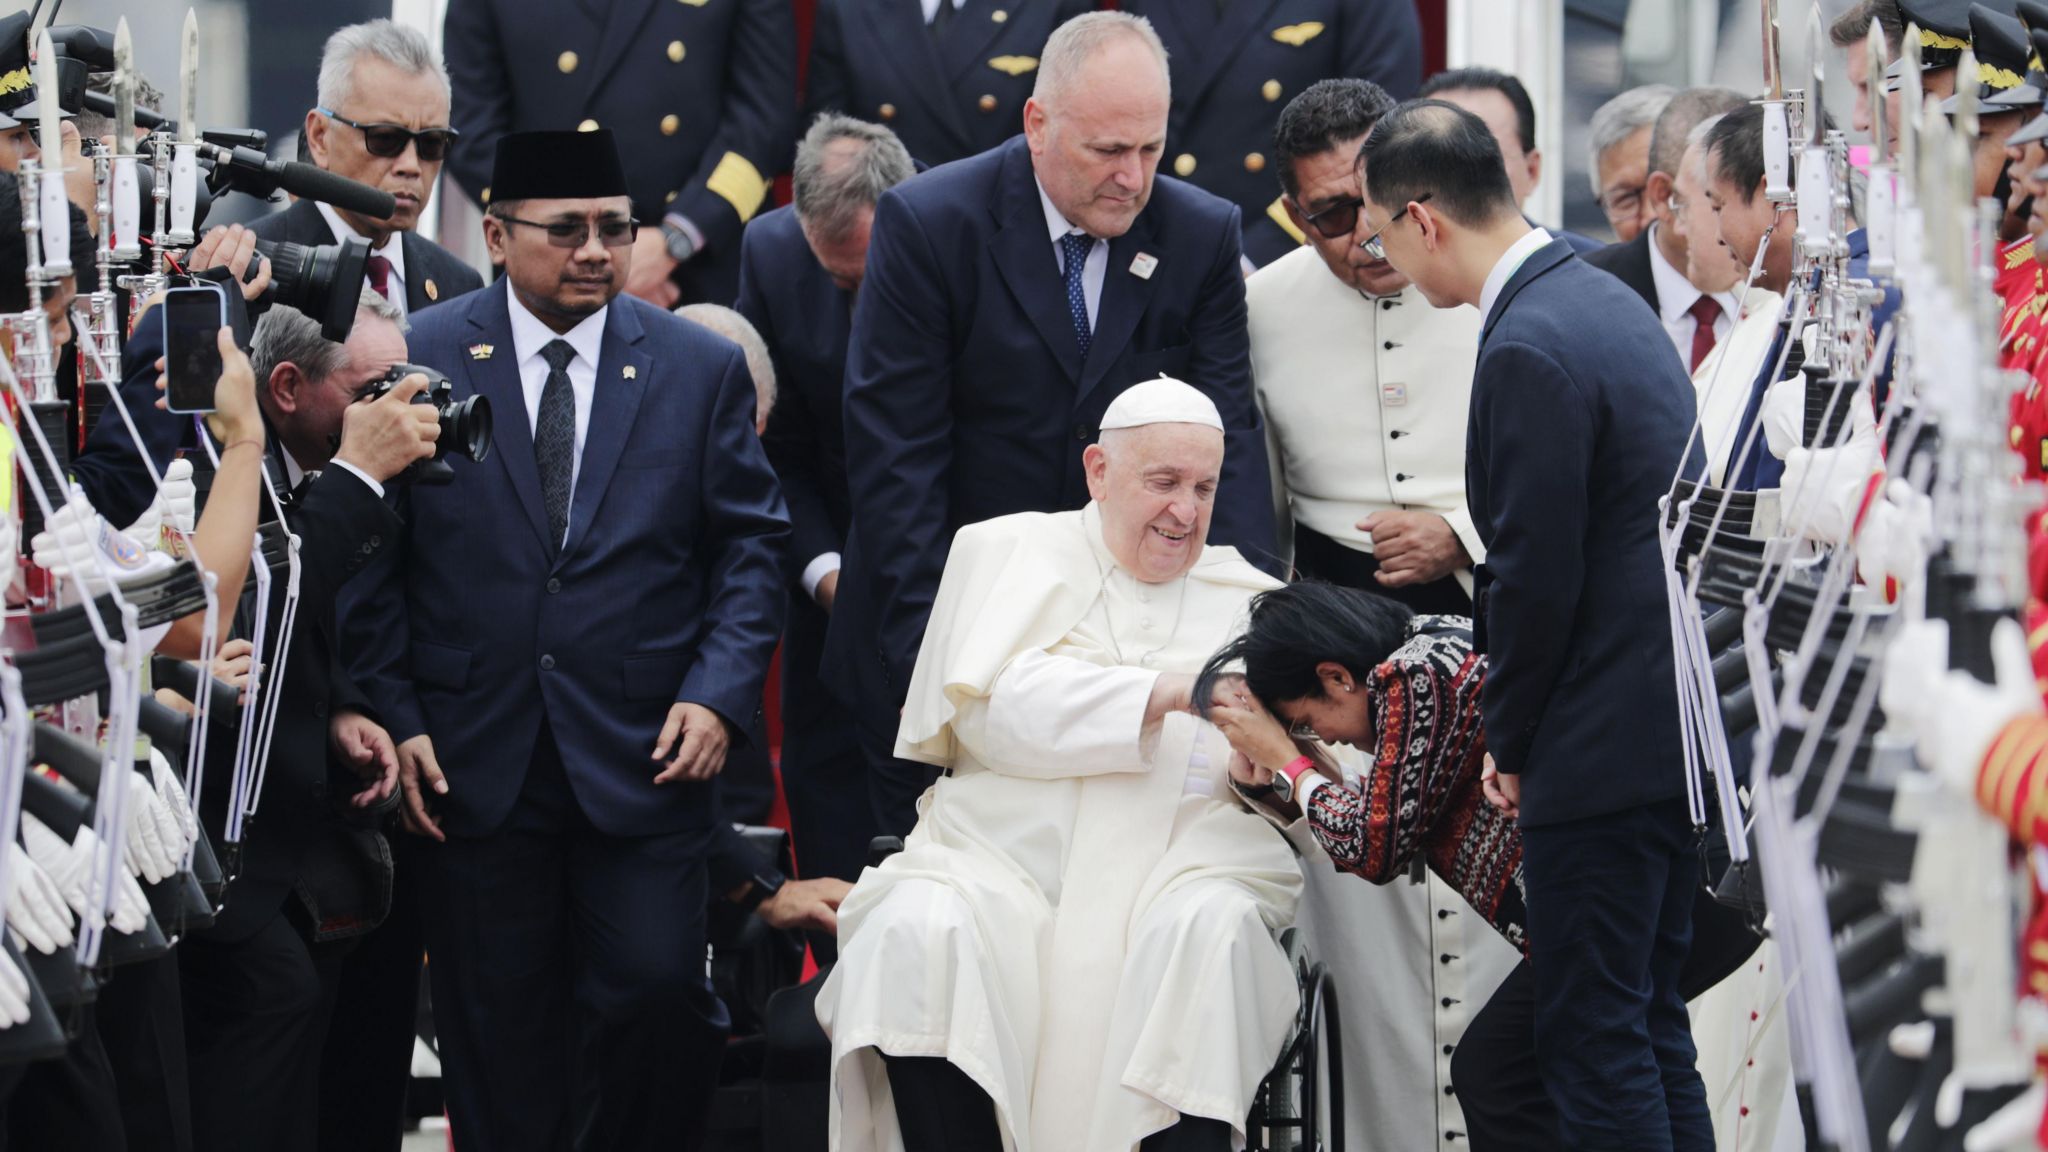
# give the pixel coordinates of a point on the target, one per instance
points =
(877, 60)
(1630, 263)
(1574, 434)
(432, 273)
(701, 96)
(1233, 73)
(967, 397)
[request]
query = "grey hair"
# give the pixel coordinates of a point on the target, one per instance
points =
(1621, 118)
(741, 331)
(1072, 45)
(831, 194)
(1674, 131)
(405, 49)
(285, 335)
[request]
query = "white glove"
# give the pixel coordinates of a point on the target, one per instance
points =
(155, 837)
(1784, 416)
(1897, 535)
(13, 993)
(35, 908)
(171, 791)
(1953, 716)
(70, 867)
(1823, 487)
(175, 504)
(74, 533)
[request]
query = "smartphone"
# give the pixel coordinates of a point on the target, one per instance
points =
(193, 318)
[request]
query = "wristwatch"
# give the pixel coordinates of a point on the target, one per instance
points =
(680, 246)
(764, 883)
(1288, 778)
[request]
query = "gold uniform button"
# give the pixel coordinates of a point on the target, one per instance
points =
(566, 62)
(486, 197)
(671, 122)
(1255, 163)
(986, 103)
(669, 199)
(1270, 90)
(1184, 165)
(887, 111)
(587, 126)
(999, 15)
(675, 51)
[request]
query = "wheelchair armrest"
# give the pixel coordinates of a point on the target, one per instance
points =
(883, 847)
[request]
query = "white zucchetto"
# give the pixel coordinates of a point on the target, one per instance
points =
(1161, 401)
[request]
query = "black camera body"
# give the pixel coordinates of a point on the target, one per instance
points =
(465, 424)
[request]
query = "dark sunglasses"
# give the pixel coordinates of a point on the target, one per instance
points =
(389, 140)
(612, 233)
(1336, 221)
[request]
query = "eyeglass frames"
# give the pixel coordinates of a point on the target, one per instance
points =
(1372, 245)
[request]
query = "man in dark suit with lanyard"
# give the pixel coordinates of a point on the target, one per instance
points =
(948, 77)
(567, 638)
(1008, 299)
(800, 270)
(1236, 64)
(382, 121)
(1575, 430)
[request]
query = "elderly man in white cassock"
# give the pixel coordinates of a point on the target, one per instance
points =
(1075, 949)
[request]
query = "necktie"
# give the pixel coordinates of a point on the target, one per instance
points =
(1074, 248)
(380, 276)
(941, 17)
(1704, 312)
(554, 438)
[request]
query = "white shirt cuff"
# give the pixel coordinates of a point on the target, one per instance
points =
(364, 476)
(823, 565)
(689, 228)
(1307, 785)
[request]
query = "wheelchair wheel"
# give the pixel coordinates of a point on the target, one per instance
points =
(1300, 1105)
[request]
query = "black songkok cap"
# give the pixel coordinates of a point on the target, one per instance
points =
(17, 84)
(557, 166)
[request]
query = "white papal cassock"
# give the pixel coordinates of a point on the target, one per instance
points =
(1083, 919)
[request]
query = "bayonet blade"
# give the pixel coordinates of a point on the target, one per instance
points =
(1816, 113)
(1966, 96)
(52, 126)
(124, 90)
(1873, 46)
(188, 81)
(1774, 81)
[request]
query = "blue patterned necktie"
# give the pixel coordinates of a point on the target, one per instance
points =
(554, 439)
(1074, 247)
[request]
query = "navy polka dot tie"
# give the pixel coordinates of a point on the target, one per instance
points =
(1074, 248)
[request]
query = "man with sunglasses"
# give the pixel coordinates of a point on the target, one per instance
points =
(564, 642)
(1365, 388)
(382, 120)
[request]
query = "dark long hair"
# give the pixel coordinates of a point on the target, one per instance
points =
(1293, 629)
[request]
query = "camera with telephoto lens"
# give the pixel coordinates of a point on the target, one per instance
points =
(325, 281)
(465, 424)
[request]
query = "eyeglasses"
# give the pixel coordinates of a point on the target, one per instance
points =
(1372, 245)
(1622, 204)
(1336, 221)
(611, 231)
(389, 140)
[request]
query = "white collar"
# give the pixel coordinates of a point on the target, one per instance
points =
(391, 249)
(1504, 269)
(1675, 293)
(529, 335)
(1056, 225)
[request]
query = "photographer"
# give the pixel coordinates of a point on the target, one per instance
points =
(258, 983)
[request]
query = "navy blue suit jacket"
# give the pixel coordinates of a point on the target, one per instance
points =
(1574, 434)
(878, 60)
(967, 398)
(1233, 73)
(667, 589)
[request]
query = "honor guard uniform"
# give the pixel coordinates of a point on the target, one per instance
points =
(949, 77)
(701, 95)
(1944, 33)
(1236, 63)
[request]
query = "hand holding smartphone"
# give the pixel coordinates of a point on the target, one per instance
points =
(192, 319)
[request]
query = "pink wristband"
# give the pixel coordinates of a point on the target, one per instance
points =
(1295, 767)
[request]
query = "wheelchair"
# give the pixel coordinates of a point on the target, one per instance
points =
(1299, 1106)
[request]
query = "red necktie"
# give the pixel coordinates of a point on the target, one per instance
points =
(380, 279)
(1704, 312)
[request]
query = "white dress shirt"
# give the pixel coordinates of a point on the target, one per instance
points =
(1505, 268)
(293, 473)
(1675, 298)
(1092, 272)
(1366, 400)
(529, 336)
(931, 9)
(393, 250)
